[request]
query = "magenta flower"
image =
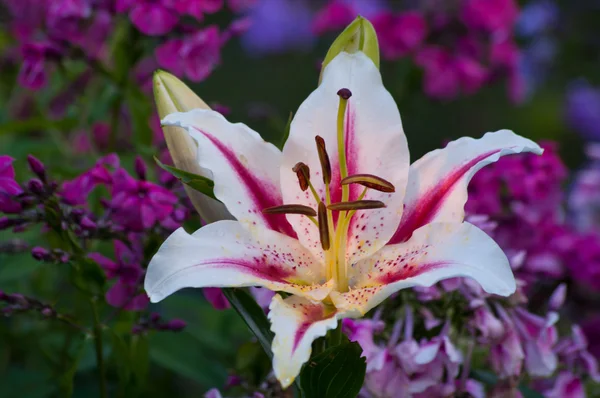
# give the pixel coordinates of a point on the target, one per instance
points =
(8, 186)
(539, 336)
(75, 192)
(197, 8)
(151, 17)
(216, 298)
(494, 16)
(125, 292)
(400, 34)
(33, 74)
(506, 353)
(567, 385)
(193, 56)
(334, 16)
(139, 204)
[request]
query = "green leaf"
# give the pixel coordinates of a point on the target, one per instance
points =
(65, 380)
(337, 372)
(183, 355)
(253, 315)
(120, 357)
(286, 131)
(197, 182)
(140, 359)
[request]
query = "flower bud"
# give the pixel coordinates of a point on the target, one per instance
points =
(87, 223)
(172, 95)
(47, 311)
(176, 325)
(40, 254)
(140, 167)
(358, 36)
(37, 167)
(35, 186)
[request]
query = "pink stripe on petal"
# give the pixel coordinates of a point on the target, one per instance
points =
(312, 313)
(426, 207)
(409, 271)
(263, 194)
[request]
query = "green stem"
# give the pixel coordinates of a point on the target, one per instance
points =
(99, 349)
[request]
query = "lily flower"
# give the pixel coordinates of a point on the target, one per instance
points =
(339, 219)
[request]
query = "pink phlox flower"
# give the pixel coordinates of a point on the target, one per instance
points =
(139, 204)
(8, 186)
(75, 192)
(539, 337)
(401, 34)
(126, 268)
(216, 298)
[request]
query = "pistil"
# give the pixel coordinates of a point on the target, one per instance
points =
(342, 225)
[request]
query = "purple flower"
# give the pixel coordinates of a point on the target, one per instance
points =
(582, 109)
(536, 17)
(494, 16)
(539, 336)
(216, 298)
(567, 385)
(362, 332)
(506, 353)
(75, 192)
(138, 205)
(279, 26)
(400, 34)
(27, 16)
(334, 16)
(64, 18)
(558, 297)
(151, 17)
(573, 351)
(33, 74)
(8, 186)
(125, 292)
(262, 296)
(194, 56)
(198, 8)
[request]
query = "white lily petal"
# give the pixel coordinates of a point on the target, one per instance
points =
(436, 251)
(297, 322)
(245, 168)
(375, 144)
(227, 254)
(437, 183)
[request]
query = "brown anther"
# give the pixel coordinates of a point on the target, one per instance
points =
(356, 205)
(324, 159)
(369, 181)
(344, 93)
(291, 209)
(323, 226)
(303, 173)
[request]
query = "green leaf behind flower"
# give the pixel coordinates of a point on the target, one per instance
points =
(337, 372)
(195, 181)
(253, 315)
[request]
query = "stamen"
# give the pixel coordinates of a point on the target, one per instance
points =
(370, 181)
(356, 205)
(291, 209)
(324, 159)
(303, 173)
(323, 226)
(344, 93)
